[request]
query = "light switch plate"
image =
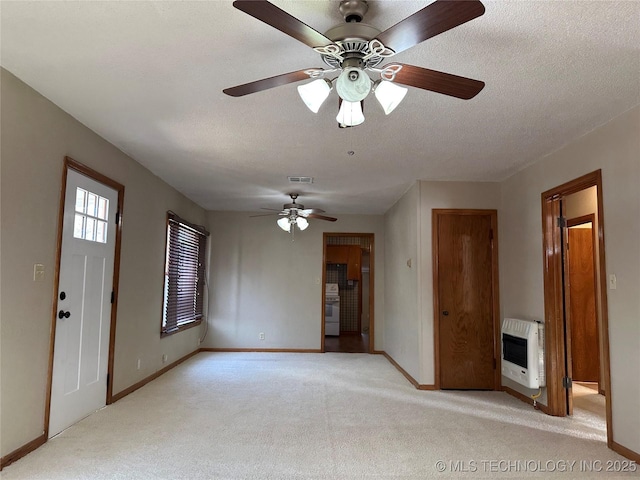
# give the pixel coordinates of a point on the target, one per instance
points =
(38, 272)
(613, 282)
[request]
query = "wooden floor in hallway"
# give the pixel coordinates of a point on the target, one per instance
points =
(347, 343)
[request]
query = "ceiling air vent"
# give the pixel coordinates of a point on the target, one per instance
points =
(300, 179)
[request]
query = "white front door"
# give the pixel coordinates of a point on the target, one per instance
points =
(81, 348)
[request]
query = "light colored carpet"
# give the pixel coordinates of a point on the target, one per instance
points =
(314, 416)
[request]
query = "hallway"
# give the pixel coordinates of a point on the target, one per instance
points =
(347, 343)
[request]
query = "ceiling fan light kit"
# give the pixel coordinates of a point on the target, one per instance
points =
(350, 114)
(353, 49)
(302, 223)
(353, 84)
(294, 215)
(389, 95)
(288, 223)
(315, 93)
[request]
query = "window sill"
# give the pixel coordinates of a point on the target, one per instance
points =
(181, 328)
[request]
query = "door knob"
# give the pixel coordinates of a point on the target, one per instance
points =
(445, 313)
(62, 314)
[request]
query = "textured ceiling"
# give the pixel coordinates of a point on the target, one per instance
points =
(148, 77)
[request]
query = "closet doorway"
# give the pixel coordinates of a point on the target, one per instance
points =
(348, 293)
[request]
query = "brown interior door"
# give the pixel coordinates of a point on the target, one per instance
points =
(465, 301)
(585, 351)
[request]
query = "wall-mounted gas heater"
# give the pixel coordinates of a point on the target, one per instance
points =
(523, 352)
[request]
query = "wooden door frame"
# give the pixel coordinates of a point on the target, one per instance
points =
(71, 164)
(371, 237)
(435, 214)
(553, 295)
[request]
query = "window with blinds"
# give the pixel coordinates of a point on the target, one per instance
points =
(184, 281)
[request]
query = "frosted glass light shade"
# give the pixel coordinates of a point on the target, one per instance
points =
(350, 114)
(389, 95)
(284, 224)
(302, 223)
(314, 94)
(353, 84)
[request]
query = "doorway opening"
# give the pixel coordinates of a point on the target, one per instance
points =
(575, 292)
(348, 293)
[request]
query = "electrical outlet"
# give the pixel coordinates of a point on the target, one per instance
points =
(261, 336)
(139, 363)
(165, 357)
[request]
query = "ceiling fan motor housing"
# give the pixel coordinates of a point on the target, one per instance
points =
(353, 39)
(353, 10)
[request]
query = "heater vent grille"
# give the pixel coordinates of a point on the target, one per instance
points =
(523, 352)
(300, 179)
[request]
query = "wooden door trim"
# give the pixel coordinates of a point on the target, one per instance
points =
(71, 164)
(590, 218)
(553, 295)
(371, 237)
(493, 214)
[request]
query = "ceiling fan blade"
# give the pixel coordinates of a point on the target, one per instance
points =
(440, 82)
(264, 214)
(308, 211)
(271, 209)
(267, 83)
(432, 20)
(321, 217)
(279, 19)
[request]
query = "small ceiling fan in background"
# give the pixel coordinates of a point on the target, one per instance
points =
(295, 215)
(353, 48)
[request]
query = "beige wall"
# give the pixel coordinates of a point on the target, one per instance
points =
(36, 136)
(614, 148)
(256, 270)
(409, 333)
(402, 322)
(262, 282)
(460, 195)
